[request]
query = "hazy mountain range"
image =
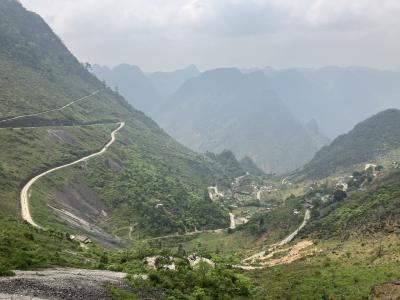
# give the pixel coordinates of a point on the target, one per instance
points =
(226, 109)
(337, 98)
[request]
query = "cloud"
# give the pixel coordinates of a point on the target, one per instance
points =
(230, 17)
(185, 31)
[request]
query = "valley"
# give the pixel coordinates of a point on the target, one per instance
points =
(228, 183)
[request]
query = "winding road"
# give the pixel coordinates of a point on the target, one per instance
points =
(25, 192)
(51, 110)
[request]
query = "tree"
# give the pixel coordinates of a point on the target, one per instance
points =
(339, 196)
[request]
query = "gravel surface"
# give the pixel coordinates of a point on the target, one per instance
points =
(59, 284)
(18, 297)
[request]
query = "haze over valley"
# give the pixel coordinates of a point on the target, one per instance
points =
(166, 161)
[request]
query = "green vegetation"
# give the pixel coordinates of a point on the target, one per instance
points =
(201, 282)
(323, 278)
(25, 248)
(120, 294)
(227, 159)
(368, 212)
(277, 223)
(224, 243)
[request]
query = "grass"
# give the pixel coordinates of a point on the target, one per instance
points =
(23, 247)
(342, 271)
(222, 243)
(120, 294)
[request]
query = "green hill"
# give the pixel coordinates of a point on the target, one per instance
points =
(144, 167)
(369, 140)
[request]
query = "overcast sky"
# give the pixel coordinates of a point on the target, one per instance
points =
(169, 34)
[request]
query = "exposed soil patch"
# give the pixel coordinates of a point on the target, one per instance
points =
(82, 209)
(387, 291)
(296, 252)
(82, 201)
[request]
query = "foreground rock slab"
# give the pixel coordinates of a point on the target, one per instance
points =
(59, 284)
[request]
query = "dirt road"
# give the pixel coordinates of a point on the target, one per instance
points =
(25, 192)
(233, 222)
(283, 242)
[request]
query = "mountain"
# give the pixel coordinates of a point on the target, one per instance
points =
(226, 109)
(145, 183)
(133, 85)
(147, 92)
(249, 166)
(337, 98)
(168, 82)
(370, 140)
(227, 159)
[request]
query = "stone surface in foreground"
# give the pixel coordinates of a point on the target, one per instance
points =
(59, 284)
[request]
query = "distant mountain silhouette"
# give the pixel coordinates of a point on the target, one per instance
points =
(337, 98)
(133, 84)
(169, 82)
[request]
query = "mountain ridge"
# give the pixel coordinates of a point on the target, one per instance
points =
(367, 141)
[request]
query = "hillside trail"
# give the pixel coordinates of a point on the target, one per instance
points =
(25, 192)
(51, 110)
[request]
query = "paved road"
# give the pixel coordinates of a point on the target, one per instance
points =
(51, 110)
(24, 196)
